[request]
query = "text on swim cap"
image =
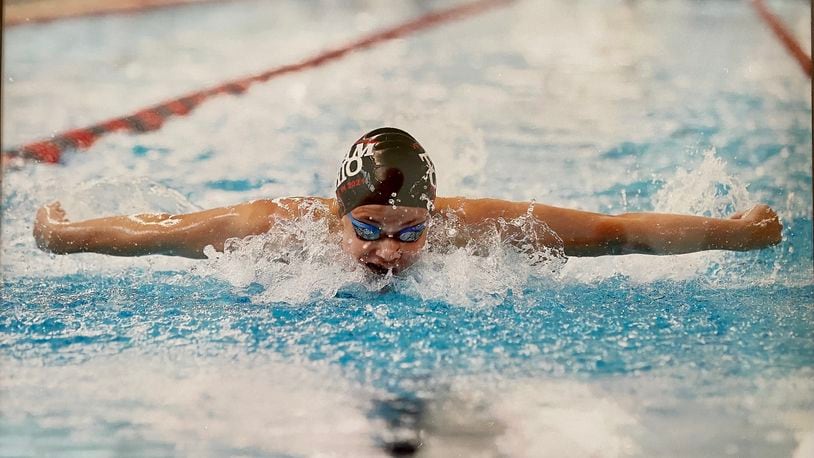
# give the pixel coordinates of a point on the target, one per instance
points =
(352, 163)
(430, 167)
(350, 184)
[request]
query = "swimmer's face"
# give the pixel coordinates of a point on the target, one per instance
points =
(387, 252)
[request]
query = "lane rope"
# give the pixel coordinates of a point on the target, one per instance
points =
(42, 11)
(785, 37)
(152, 118)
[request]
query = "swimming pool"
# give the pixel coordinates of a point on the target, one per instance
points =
(607, 106)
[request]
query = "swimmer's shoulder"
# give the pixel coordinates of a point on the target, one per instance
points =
(296, 207)
(474, 210)
(459, 203)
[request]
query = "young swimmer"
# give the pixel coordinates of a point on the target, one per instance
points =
(385, 197)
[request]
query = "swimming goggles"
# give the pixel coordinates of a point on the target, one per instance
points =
(369, 232)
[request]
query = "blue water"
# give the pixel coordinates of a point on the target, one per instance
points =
(585, 330)
(671, 106)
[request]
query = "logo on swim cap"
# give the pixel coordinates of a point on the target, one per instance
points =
(352, 163)
(387, 166)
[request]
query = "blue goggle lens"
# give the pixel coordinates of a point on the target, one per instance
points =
(371, 233)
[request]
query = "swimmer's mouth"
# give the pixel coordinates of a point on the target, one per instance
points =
(377, 269)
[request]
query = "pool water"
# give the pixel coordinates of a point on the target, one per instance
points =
(675, 106)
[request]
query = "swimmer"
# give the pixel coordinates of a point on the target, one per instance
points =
(385, 199)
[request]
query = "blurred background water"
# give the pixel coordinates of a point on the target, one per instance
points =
(609, 106)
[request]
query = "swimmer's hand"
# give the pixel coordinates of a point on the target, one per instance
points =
(47, 224)
(761, 227)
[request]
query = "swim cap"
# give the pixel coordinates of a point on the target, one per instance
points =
(386, 166)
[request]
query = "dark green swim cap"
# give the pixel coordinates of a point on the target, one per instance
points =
(386, 166)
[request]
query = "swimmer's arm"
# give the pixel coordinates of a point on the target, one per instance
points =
(595, 234)
(662, 233)
(136, 235)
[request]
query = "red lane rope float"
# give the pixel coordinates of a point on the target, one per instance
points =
(785, 37)
(54, 10)
(152, 118)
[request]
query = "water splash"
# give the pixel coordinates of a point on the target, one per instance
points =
(225, 404)
(88, 198)
(501, 259)
(301, 261)
(708, 189)
(298, 261)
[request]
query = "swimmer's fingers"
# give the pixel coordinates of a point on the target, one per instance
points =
(764, 225)
(51, 213)
(761, 214)
(55, 212)
(48, 219)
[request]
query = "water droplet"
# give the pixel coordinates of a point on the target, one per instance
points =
(393, 194)
(391, 202)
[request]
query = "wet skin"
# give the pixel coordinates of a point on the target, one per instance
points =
(579, 233)
(387, 253)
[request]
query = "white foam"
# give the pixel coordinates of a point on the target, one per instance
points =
(296, 262)
(625, 416)
(707, 189)
(87, 198)
(526, 417)
(563, 419)
(531, 124)
(805, 446)
(198, 406)
(300, 261)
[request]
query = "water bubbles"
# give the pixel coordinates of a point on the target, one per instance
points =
(300, 261)
(482, 266)
(430, 203)
(296, 261)
(707, 190)
(392, 201)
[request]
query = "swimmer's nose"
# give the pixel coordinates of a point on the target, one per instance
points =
(389, 250)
